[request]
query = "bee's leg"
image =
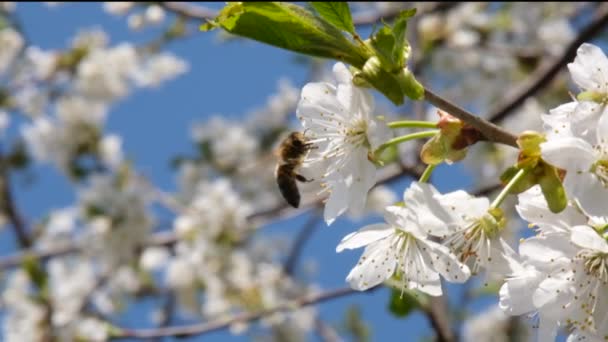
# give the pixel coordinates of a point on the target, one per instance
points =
(311, 146)
(303, 179)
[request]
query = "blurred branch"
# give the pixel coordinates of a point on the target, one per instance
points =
(220, 324)
(437, 313)
(8, 205)
(197, 12)
(490, 131)
(167, 313)
(300, 241)
(326, 332)
(374, 17)
(550, 69)
(167, 238)
(189, 10)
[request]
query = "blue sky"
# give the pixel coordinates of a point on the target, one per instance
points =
(225, 78)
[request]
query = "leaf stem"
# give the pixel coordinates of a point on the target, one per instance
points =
(404, 138)
(412, 124)
(427, 173)
(505, 191)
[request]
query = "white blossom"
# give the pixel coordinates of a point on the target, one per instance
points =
(136, 21)
(402, 245)
(467, 226)
(586, 166)
(340, 122)
(110, 150)
(11, 43)
(154, 14)
(154, 258)
(105, 74)
(117, 7)
(564, 273)
(160, 68)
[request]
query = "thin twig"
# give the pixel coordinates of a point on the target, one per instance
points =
(300, 241)
(207, 327)
(550, 69)
(8, 205)
(374, 17)
(189, 10)
(436, 312)
(197, 12)
(490, 131)
(166, 238)
(326, 332)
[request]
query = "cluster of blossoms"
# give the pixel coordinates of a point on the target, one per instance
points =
(561, 272)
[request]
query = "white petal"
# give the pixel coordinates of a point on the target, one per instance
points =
(341, 73)
(586, 237)
(337, 202)
(516, 292)
(504, 260)
(589, 68)
(572, 154)
(446, 263)
(431, 285)
(377, 264)
(418, 270)
(377, 133)
(462, 203)
(586, 336)
(589, 191)
(365, 236)
(584, 120)
(533, 208)
(547, 251)
(551, 296)
(347, 97)
(431, 217)
(602, 130)
(364, 178)
(547, 329)
(318, 102)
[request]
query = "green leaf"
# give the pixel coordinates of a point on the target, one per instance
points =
(402, 303)
(290, 27)
(399, 33)
(336, 13)
(31, 265)
(383, 43)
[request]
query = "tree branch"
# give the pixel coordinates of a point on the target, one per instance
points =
(326, 332)
(220, 324)
(490, 131)
(189, 10)
(550, 69)
(197, 12)
(370, 18)
(437, 314)
(299, 242)
(8, 205)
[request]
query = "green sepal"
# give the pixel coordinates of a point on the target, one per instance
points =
(525, 183)
(553, 189)
(591, 96)
(403, 302)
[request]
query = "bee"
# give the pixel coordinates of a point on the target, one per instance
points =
(292, 152)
